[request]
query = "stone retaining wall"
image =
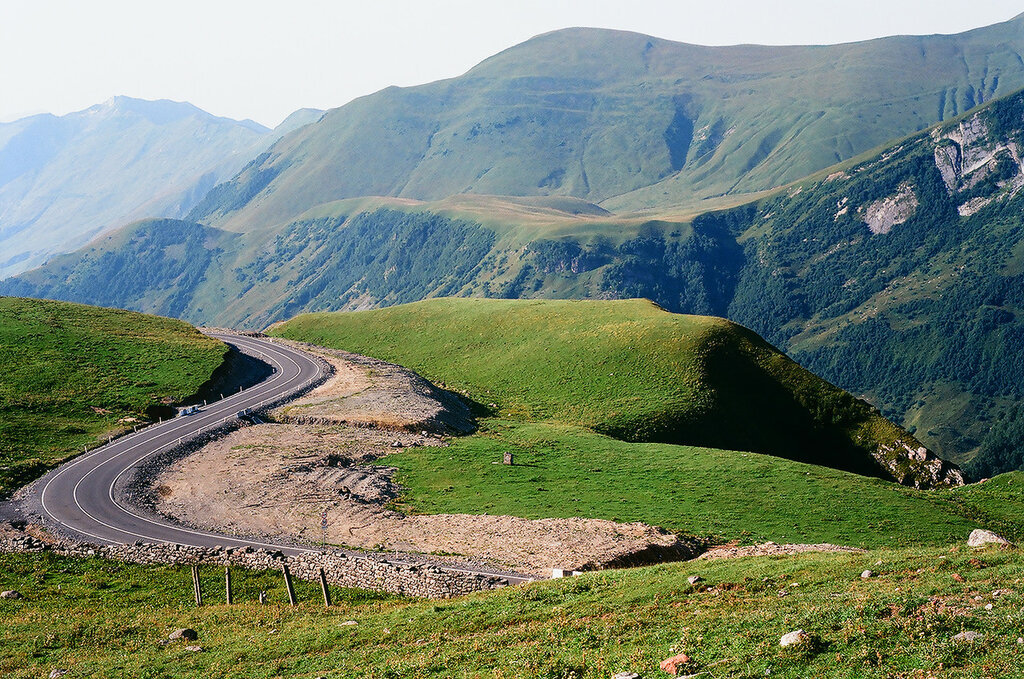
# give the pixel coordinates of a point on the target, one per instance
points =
(413, 580)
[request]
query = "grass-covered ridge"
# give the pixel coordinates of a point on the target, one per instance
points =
(624, 368)
(72, 373)
(899, 623)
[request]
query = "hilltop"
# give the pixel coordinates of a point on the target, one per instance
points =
(624, 120)
(74, 374)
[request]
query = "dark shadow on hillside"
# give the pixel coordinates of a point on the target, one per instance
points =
(237, 371)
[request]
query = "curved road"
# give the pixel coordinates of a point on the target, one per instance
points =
(79, 495)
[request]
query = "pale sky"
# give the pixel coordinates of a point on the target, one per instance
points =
(263, 60)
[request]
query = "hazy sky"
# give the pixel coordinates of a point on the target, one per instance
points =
(262, 60)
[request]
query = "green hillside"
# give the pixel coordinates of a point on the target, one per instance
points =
(624, 120)
(74, 374)
(900, 623)
(919, 317)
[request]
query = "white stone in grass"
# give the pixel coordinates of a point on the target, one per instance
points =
(795, 638)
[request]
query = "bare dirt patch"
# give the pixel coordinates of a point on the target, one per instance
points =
(369, 392)
(329, 455)
(734, 551)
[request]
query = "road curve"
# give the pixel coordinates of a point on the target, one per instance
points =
(79, 496)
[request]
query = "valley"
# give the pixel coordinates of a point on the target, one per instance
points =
(610, 356)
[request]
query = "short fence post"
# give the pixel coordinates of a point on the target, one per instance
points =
(227, 585)
(196, 585)
(323, 587)
(288, 584)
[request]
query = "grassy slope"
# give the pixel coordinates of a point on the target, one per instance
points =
(899, 623)
(63, 360)
(552, 369)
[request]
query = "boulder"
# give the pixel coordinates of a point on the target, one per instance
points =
(694, 579)
(56, 673)
(867, 574)
(10, 594)
(795, 638)
(184, 634)
(980, 538)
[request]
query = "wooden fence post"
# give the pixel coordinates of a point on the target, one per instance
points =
(196, 585)
(323, 588)
(288, 584)
(227, 585)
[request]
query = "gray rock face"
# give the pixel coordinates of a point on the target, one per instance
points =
(980, 537)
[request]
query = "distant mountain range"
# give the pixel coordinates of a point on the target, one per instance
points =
(626, 121)
(63, 180)
(702, 178)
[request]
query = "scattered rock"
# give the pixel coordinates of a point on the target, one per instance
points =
(795, 638)
(57, 673)
(626, 675)
(867, 574)
(671, 665)
(184, 634)
(10, 594)
(396, 444)
(194, 649)
(980, 538)
(968, 637)
(694, 579)
(348, 623)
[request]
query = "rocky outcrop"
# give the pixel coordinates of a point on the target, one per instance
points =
(966, 154)
(915, 465)
(882, 215)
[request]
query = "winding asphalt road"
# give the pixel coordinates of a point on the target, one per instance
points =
(79, 497)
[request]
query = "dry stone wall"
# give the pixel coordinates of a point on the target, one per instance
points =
(405, 579)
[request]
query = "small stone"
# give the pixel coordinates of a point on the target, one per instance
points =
(958, 577)
(988, 607)
(194, 649)
(795, 638)
(968, 637)
(10, 594)
(57, 673)
(980, 538)
(396, 444)
(626, 675)
(694, 579)
(348, 623)
(671, 665)
(184, 634)
(1020, 641)
(867, 574)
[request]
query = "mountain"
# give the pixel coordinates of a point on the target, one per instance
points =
(63, 180)
(896, 275)
(624, 120)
